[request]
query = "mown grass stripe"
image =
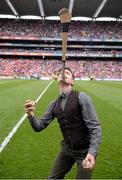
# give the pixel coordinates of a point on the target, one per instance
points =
(111, 95)
(110, 84)
(12, 101)
(13, 131)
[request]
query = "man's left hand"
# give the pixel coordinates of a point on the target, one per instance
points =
(89, 162)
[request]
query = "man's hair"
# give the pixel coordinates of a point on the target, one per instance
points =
(68, 70)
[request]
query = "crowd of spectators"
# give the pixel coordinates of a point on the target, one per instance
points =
(51, 29)
(45, 68)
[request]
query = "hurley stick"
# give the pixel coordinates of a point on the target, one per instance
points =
(65, 18)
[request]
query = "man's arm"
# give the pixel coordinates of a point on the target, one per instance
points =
(91, 120)
(44, 121)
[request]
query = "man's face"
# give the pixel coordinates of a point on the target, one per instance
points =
(68, 79)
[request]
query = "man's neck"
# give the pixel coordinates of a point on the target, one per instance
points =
(65, 88)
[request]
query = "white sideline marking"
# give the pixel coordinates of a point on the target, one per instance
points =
(7, 139)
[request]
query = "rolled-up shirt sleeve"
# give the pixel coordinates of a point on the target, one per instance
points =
(40, 124)
(92, 122)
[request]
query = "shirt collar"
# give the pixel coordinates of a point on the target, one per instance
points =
(65, 94)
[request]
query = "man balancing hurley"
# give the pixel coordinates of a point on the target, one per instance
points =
(79, 126)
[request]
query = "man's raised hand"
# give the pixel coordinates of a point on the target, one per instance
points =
(30, 106)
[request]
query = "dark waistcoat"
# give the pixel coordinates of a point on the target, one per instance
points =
(73, 128)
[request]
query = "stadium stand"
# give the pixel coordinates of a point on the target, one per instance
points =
(51, 29)
(94, 49)
(39, 68)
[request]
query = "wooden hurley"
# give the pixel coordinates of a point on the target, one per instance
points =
(65, 18)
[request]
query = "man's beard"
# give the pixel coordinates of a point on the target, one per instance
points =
(63, 82)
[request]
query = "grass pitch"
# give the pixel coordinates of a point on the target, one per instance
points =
(30, 155)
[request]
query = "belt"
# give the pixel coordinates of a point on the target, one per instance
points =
(75, 147)
(79, 147)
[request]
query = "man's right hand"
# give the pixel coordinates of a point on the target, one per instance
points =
(30, 106)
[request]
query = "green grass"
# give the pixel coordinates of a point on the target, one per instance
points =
(30, 155)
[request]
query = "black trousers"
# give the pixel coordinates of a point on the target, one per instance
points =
(65, 160)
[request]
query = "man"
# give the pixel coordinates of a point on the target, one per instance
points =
(79, 125)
